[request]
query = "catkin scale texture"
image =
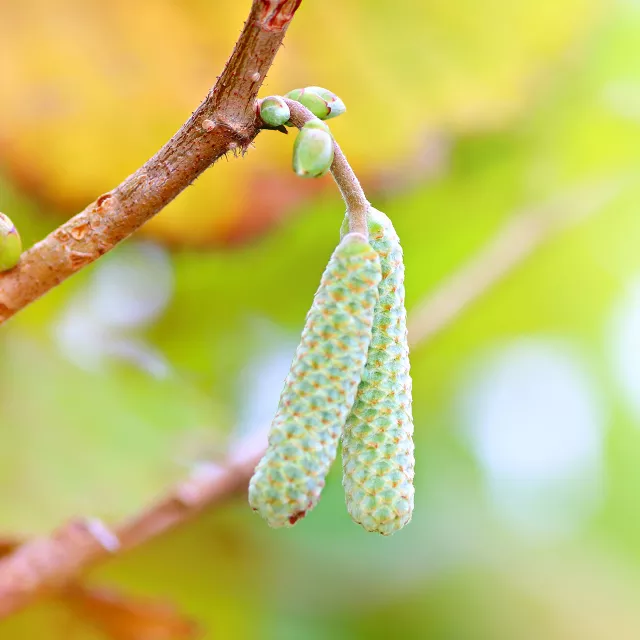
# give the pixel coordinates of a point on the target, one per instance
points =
(320, 388)
(377, 443)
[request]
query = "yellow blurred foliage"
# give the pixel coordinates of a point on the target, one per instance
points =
(109, 82)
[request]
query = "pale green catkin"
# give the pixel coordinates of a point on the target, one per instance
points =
(320, 388)
(377, 444)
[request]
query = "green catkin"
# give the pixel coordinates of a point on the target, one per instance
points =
(377, 444)
(320, 388)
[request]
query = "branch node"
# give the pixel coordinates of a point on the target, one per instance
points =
(208, 125)
(79, 259)
(275, 15)
(104, 198)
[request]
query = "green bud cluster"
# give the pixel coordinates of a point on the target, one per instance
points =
(10, 244)
(313, 148)
(320, 388)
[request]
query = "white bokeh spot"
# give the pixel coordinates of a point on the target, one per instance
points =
(624, 346)
(531, 414)
(128, 290)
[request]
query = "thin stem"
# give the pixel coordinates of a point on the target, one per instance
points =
(345, 178)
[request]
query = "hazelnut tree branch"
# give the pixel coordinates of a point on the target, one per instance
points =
(345, 178)
(43, 566)
(225, 121)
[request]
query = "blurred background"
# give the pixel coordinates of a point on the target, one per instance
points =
(503, 139)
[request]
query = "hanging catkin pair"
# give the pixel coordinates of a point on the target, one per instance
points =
(377, 444)
(321, 386)
(350, 375)
(354, 340)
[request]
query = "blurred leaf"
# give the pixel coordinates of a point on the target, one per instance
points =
(98, 444)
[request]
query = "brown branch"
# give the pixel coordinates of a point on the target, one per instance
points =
(345, 178)
(224, 121)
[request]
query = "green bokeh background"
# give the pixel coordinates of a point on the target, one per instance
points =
(97, 418)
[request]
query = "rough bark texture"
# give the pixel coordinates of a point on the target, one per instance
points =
(225, 121)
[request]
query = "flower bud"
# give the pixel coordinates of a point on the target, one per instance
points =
(274, 111)
(313, 150)
(10, 244)
(336, 106)
(315, 103)
(324, 104)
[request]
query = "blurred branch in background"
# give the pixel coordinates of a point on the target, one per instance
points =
(517, 240)
(43, 566)
(224, 122)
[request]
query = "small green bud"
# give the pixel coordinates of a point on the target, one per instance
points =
(274, 111)
(336, 106)
(10, 244)
(315, 103)
(294, 94)
(324, 104)
(313, 150)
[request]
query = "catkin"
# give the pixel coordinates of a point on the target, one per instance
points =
(320, 388)
(377, 444)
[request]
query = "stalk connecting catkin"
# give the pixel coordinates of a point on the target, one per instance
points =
(321, 386)
(377, 444)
